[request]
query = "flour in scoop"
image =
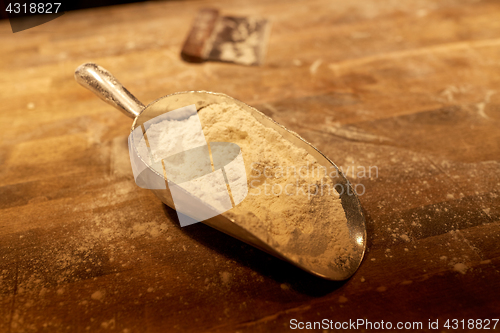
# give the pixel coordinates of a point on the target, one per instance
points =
(292, 203)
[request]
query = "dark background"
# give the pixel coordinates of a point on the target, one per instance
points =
(68, 5)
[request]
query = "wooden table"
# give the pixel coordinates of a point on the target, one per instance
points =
(411, 87)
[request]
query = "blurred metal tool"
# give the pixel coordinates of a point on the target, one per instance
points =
(240, 40)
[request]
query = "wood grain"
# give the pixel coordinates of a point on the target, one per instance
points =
(410, 88)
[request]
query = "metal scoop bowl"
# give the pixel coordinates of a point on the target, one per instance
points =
(105, 86)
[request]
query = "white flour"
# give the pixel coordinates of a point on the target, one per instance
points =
(282, 179)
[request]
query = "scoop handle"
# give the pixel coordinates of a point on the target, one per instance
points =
(108, 88)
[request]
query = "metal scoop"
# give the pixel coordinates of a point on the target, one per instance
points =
(105, 86)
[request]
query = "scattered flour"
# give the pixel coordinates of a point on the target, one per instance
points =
(460, 267)
(405, 237)
(98, 295)
(151, 228)
(225, 277)
(343, 299)
(315, 65)
(110, 324)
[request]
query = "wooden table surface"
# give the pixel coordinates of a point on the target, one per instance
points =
(411, 87)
